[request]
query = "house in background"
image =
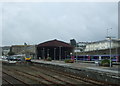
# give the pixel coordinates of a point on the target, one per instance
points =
(5, 50)
(29, 50)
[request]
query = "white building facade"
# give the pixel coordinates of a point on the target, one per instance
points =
(101, 45)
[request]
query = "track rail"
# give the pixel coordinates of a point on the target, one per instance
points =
(10, 83)
(22, 82)
(29, 72)
(36, 76)
(72, 76)
(68, 83)
(27, 75)
(21, 72)
(89, 80)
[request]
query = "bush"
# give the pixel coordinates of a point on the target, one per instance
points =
(105, 63)
(49, 59)
(69, 61)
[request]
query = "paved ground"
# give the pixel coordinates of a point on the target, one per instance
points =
(92, 66)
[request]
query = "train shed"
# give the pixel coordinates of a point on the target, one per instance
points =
(55, 49)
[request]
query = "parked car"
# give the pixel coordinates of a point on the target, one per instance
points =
(11, 58)
(98, 62)
(3, 57)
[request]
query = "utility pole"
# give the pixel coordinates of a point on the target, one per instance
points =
(110, 53)
(25, 47)
(110, 39)
(117, 51)
(76, 51)
(25, 44)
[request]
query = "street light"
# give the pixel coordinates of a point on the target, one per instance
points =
(25, 44)
(110, 51)
(108, 32)
(117, 51)
(109, 37)
(76, 52)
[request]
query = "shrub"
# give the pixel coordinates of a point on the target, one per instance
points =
(69, 61)
(105, 63)
(49, 59)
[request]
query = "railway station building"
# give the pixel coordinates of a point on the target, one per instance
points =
(100, 48)
(55, 49)
(29, 50)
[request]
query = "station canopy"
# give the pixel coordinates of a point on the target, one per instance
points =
(55, 49)
(54, 43)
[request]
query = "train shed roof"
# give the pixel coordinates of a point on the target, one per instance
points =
(54, 43)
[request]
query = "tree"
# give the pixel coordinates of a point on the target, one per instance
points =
(73, 42)
(2, 53)
(11, 53)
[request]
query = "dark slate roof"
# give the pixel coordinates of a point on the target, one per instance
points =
(54, 43)
(6, 47)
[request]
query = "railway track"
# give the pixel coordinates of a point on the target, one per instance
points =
(55, 75)
(12, 81)
(36, 74)
(48, 77)
(83, 80)
(39, 77)
(65, 80)
(87, 80)
(32, 77)
(52, 80)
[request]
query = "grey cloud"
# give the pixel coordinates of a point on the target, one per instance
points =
(38, 22)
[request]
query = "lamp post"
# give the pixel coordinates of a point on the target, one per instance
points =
(25, 44)
(76, 52)
(110, 53)
(116, 51)
(109, 37)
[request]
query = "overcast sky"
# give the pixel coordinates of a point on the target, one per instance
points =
(35, 23)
